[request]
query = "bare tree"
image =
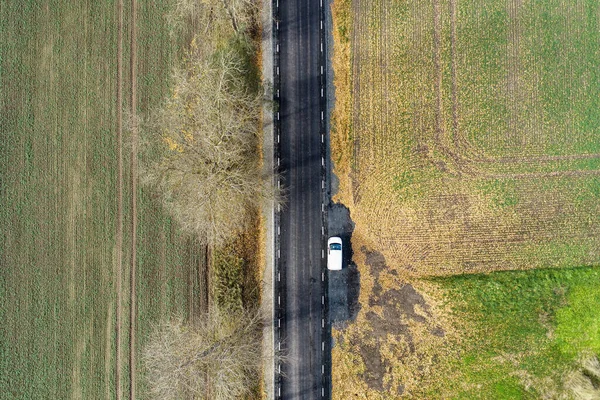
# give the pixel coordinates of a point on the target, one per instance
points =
(241, 16)
(203, 144)
(217, 358)
(242, 13)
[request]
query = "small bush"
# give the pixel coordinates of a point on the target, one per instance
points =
(228, 278)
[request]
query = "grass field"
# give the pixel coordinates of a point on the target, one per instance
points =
(59, 158)
(506, 335)
(533, 326)
(465, 141)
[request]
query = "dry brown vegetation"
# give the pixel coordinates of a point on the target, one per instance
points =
(218, 357)
(393, 347)
(202, 145)
(584, 383)
(201, 158)
(464, 138)
(448, 170)
(208, 175)
(341, 121)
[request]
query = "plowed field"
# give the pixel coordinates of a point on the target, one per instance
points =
(475, 141)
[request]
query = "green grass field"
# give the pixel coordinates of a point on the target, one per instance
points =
(58, 205)
(521, 333)
(527, 79)
(504, 335)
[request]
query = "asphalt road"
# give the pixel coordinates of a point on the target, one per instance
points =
(305, 340)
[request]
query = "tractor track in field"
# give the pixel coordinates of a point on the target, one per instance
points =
(467, 153)
(457, 143)
(437, 38)
(134, 139)
(526, 175)
(119, 227)
(514, 70)
(506, 160)
(440, 135)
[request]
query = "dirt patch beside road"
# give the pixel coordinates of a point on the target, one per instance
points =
(397, 336)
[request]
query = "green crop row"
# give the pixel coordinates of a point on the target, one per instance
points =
(58, 208)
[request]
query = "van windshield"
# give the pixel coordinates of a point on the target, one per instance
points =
(335, 246)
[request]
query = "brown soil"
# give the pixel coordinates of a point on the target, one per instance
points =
(374, 367)
(248, 248)
(398, 310)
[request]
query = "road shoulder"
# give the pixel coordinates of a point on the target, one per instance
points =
(268, 209)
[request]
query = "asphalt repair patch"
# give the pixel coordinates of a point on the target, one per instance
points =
(344, 285)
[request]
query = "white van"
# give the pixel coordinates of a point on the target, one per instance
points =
(334, 253)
